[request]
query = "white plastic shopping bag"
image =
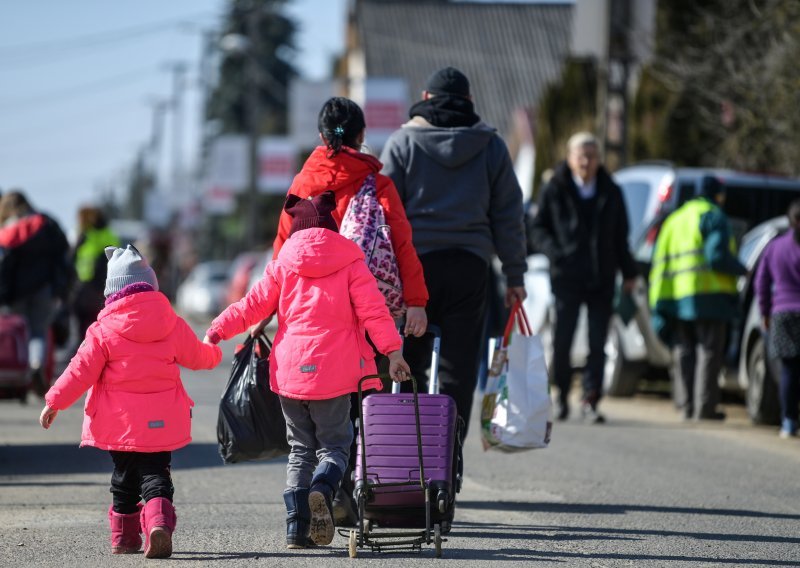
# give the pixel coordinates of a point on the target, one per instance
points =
(516, 409)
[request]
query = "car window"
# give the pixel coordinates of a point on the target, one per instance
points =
(686, 191)
(637, 196)
(748, 205)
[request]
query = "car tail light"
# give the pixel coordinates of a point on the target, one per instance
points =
(664, 192)
(652, 233)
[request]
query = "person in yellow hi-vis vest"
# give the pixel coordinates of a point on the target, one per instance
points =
(693, 296)
(90, 266)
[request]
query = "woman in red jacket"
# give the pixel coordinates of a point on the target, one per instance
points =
(340, 167)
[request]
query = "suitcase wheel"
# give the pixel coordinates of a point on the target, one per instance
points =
(442, 499)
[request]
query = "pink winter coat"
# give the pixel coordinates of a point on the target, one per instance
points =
(129, 364)
(326, 298)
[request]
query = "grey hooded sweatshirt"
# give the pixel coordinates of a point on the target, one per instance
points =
(459, 191)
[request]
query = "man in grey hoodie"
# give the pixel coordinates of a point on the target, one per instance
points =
(455, 178)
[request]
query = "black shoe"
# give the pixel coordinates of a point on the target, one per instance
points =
(719, 416)
(562, 411)
(38, 383)
(344, 509)
(589, 412)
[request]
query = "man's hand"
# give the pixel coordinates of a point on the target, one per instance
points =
(416, 321)
(514, 295)
(398, 368)
(47, 416)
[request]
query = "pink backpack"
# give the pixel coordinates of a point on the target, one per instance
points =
(365, 223)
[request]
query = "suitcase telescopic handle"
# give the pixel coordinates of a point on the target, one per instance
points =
(363, 433)
(433, 384)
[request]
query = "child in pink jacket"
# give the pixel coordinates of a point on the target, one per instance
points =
(137, 408)
(326, 298)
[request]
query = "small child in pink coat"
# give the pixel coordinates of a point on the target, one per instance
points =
(326, 299)
(137, 408)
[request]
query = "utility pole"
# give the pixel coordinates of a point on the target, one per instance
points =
(614, 73)
(178, 69)
(253, 76)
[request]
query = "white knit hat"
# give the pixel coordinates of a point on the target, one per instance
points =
(127, 266)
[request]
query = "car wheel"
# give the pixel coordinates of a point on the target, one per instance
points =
(762, 390)
(620, 377)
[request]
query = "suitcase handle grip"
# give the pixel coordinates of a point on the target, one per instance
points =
(363, 436)
(433, 385)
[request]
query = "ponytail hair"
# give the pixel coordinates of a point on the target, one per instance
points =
(340, 122)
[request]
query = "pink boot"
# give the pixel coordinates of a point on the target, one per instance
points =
(126, 537)
(158, 524)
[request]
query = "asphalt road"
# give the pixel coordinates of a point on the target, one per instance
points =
(644, 489)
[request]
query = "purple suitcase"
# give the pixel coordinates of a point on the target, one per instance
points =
(394, 449)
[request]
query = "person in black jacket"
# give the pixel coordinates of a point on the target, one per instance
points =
(34, 273)
(582, 227)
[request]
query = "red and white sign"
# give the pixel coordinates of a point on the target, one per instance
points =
(277, 163)
(219, 200)
(385, 103)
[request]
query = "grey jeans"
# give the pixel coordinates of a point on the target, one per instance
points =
(699, 354)
(317, 431)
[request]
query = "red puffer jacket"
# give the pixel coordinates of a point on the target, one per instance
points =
(343, 174)
(326, 299)
(129, 364)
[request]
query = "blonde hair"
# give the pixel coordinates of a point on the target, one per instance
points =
(582, 139)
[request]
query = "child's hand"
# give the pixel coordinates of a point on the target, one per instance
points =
(398, 368)
(47, 416)
(257, 329)
(207, 340)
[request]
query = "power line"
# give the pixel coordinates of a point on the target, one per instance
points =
(53, 50)
(105, 84)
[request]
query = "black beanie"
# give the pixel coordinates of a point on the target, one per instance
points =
(710, 187)
(312, 212)
(448, 81)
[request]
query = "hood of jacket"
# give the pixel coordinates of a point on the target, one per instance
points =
(450, 147)
(314, 253)
(21, 230)
(321, 173)
(142, 317)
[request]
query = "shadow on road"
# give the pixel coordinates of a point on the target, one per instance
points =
(47, 459)
(529, 534)
(599, 509)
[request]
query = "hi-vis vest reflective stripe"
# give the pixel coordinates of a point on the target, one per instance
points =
(679, 266)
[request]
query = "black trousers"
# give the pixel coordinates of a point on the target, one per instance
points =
(457, 283)
(140, 475)
(599, 309)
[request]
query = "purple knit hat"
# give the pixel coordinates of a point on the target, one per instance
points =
(312, 212)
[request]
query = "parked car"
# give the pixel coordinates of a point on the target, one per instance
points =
(259, 267)
(239, 277)
(202, 293)
(757, 374)
(651, 192)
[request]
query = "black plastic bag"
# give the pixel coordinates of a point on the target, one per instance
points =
(251, 424)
